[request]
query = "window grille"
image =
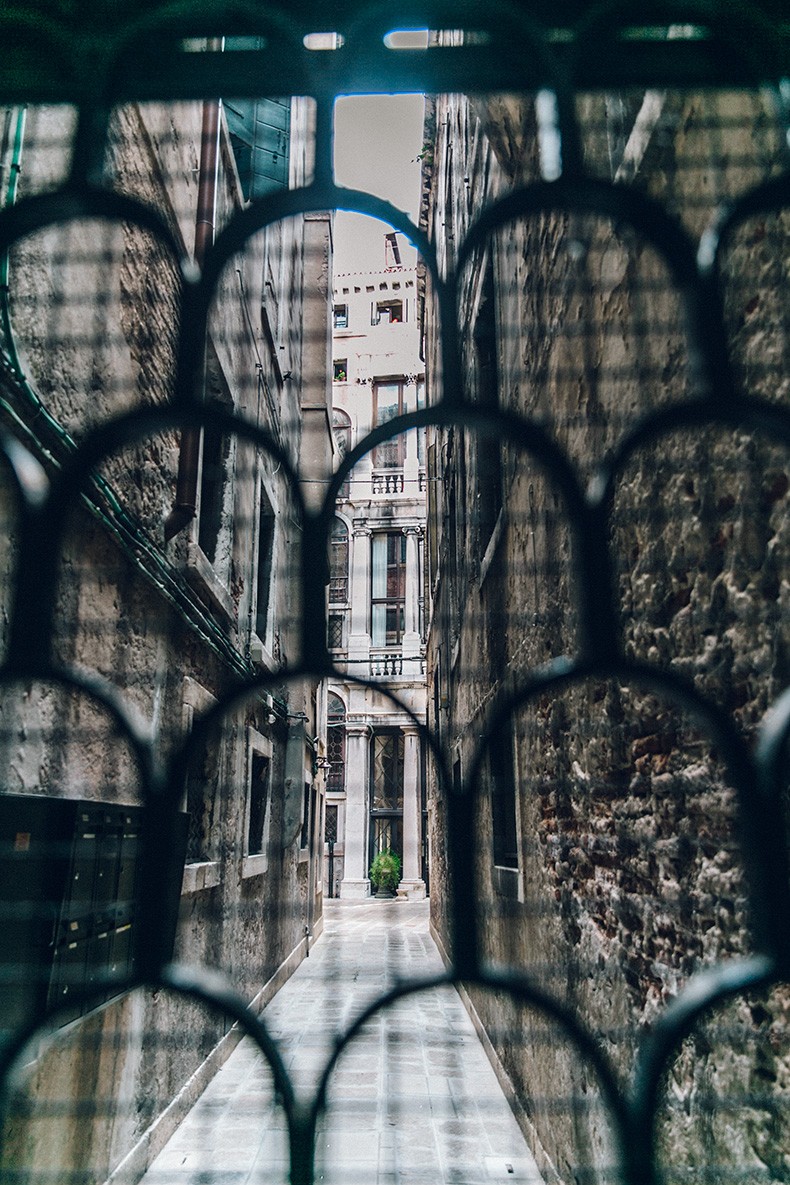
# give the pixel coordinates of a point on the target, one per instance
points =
(338, 564)
(330, 826)
(336, 747)
(621, 615)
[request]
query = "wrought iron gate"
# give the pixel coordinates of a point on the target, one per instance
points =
(569, 62)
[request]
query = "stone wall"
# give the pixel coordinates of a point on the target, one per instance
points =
(623, 874)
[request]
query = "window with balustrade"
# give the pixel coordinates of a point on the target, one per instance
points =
(387, 404)
(388, 587)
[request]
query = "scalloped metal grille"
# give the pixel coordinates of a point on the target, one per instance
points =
(603, 267)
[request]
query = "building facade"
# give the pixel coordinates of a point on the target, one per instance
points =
(175, 587)
(376, 786)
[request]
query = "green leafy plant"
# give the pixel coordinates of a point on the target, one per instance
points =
(385, 871)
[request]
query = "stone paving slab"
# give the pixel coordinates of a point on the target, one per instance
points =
(413, 1100)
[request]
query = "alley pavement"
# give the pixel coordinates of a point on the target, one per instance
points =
(413, 1100)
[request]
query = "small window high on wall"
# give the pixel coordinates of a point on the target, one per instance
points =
(387, 312)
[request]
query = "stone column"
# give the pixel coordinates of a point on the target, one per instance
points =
(411, 615)
(355, 882)
(411, 466)
(412, 885)
(359, 633)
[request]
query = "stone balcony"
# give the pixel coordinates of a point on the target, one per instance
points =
(386, 482)
(391, 663)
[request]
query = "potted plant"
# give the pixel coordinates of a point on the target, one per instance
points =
(385, 873)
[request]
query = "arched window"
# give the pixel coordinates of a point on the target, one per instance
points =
(336, 744)
(338, 563)
(341, 428)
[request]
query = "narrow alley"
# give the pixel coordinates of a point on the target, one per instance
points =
(415, 1098)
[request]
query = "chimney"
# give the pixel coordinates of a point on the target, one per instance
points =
(391, 250)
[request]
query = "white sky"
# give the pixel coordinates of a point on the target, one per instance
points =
(377, 140)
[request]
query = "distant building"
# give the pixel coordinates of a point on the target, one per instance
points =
(376, 784)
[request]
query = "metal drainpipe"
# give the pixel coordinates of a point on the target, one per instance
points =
(185, 505)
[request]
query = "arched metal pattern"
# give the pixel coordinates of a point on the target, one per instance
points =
(146, 60)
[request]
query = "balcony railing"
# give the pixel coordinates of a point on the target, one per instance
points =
(387, 481)
(386, 664)
(390, 664)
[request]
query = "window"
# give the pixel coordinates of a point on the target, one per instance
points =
(340, 316)
(387, 404)
(264, 576)
(202, 777)
(341, 428)
(330, 827)
(489, 449)
(307, 817)
(389, 312)
(387, 770)
(338, 563)
(335, 632)
(216, 449)
(336, 745)
(210, 546)
(503, 800)
(259, 801)
(340, 370)
(201, 801)
(386, 791)
(420, 431)
(388, 589)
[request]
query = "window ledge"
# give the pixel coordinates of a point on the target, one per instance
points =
(507, 882)
(199, 876)
(254, 865)
(261, 656)
(202, 575)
